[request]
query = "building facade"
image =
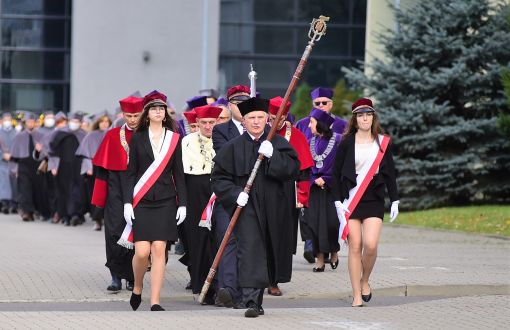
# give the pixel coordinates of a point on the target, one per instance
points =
(35, 44)
(272, 36)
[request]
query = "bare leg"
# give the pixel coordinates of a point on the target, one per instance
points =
(142, 251)
(371, 234)
(157, 270)
(354, 259)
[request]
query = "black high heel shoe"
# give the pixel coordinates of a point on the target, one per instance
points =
(135, 300)
(157, 308)
(334, 265)
(367, 297)
(319, 269)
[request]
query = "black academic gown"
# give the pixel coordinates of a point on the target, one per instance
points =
(257, 244)
(118, 258)
(30, 194)
(198, 238)
(69, 184)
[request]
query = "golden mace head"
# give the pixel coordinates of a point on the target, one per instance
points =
(318, 28)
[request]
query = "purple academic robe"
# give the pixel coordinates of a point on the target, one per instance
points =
(326, 171)
(338, 126)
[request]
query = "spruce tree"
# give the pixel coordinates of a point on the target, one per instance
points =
(303, 102)
(343, 98)
(439, 95)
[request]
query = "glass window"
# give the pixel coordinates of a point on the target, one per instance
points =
(325, 72)
(36, 7)
(34, 65)
(274, 40)
(358, 42)
(34, 33)
(335, 42)
(273, 11)
(33, 97)
(359, 12)
(338, 10)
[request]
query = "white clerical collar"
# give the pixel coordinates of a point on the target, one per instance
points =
(238, 124)
(127, 126)
(253, 136)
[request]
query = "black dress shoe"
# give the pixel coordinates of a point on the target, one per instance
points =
(188, 286)
(135, 301)
(116, 285)
(319, 269)
(157, 308)
(209, 298)
(75, 220)
(308, 255)
(261, 310)
(130, 285)
(367, 297)
(225, 298)
(252, 311)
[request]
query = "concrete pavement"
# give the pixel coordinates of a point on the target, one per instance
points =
(54, 277)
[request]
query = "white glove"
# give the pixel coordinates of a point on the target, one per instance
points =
(394, 211)
(242, 199)
(129, 214)
(340, 212)
(266, 148)
(180, 215)
(341, 207)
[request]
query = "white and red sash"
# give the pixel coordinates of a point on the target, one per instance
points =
(363, 179)
(205, 218)
(149, 177)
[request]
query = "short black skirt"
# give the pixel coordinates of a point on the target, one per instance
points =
(371, 204)
(155, 221)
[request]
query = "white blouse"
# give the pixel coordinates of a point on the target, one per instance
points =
(156, 147)
(361, 154)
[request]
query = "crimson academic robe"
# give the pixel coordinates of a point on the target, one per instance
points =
(110, 163)
(289, 222)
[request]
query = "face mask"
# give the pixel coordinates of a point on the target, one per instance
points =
(18, 128)
(74, 126)
(7, 124)
(49, 122)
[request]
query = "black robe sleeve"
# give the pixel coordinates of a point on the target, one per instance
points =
(128, 178)
(390, 174)
(284, 163)
(338, 165)
(178, 174)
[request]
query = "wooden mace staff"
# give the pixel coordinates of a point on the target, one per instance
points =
(317, 30)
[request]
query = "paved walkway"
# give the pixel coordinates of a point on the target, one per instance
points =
(53, 276)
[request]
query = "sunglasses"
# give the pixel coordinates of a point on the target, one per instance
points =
(321, 102)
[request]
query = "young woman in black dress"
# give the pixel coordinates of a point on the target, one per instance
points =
(162, 208)
(362, 139)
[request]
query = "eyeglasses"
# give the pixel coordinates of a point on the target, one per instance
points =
(238, 99)
(318, 103)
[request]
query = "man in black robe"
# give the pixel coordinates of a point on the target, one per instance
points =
(110, 166)
(227, 284)
(69, 184)
(30, 194)
(257, 246)
(197, 156)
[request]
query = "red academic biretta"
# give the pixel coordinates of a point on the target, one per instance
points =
(208, 111)
(275, 103)
(131, 104)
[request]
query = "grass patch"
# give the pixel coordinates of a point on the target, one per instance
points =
(484, 219)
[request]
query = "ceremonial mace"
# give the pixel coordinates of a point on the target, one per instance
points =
(317, 30)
